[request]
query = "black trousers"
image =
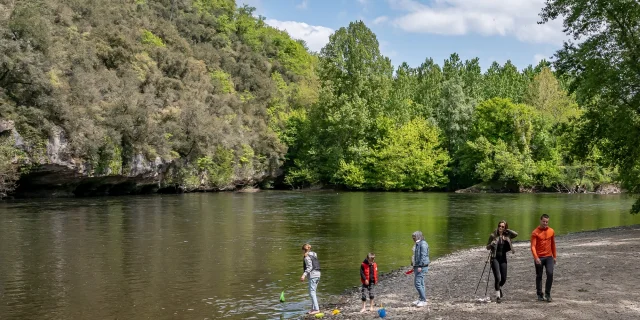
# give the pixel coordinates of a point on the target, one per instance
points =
(547, 263)
(499, 268)
(370, 288)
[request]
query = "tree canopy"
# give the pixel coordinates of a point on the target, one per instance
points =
(602, 62)
(202, 85)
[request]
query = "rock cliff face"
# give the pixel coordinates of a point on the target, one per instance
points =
(7, 127)
(58, 173)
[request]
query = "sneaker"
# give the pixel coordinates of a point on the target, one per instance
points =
(498, 300)
(415, 302)
(540, 297)
(547, 297)
(501, 294)
(421, 304)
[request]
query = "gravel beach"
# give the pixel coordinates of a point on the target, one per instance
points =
(597, 277)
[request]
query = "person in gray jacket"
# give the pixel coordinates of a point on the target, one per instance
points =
(420, 262)
(311, 269)
(500, 243)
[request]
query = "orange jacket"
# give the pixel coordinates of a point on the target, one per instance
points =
(543, 243)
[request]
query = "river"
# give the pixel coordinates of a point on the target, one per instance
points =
(229, 255)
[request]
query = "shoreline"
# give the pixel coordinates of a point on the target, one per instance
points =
(597, 277)
(66, 191)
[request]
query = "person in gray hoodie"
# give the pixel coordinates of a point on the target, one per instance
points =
(420, 262)
(311, 270)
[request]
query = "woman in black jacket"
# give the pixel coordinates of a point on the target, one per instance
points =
(500, 243)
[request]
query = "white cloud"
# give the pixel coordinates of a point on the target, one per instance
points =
(316, 37)
(380, 20)
(515, 18)
(303, 5)
(406, 5)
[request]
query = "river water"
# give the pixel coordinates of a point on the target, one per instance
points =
(229, 255)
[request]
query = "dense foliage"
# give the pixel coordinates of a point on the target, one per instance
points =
(603, 65)
(444, 127)
(201, 85)
(224, 99)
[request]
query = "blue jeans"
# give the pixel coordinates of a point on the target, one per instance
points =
(419, 282)
(313, 286)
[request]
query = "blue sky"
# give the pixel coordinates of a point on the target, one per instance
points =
(411, 30)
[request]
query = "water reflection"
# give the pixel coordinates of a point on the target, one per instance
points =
(229, 255)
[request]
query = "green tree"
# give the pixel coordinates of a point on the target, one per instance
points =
(453, 67)
(603, 66)
(428, 89)
(472, 78)
(352, 62)
(453, 113)
(499, 146)
(9, 164)
(504, 82)
(546, 95)
(402, 104)
(356, 79)
(410, 158)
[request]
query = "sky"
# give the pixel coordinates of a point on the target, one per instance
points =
(412, 31)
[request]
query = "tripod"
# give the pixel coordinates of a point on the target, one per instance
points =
(483, 269)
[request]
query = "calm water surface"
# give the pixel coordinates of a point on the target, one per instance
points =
(229, 255)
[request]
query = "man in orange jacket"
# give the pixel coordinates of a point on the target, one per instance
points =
(543, 248)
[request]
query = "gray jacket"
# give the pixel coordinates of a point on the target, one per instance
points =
(309, 272)
(421, 254)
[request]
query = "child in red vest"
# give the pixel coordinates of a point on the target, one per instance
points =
(368, 277)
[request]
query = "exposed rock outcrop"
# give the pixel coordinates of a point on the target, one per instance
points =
(492, 187)
(57, 172)
(503, 187)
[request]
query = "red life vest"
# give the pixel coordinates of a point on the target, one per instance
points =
(367, 274)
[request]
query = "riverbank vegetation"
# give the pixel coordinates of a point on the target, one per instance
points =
(222, 99)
